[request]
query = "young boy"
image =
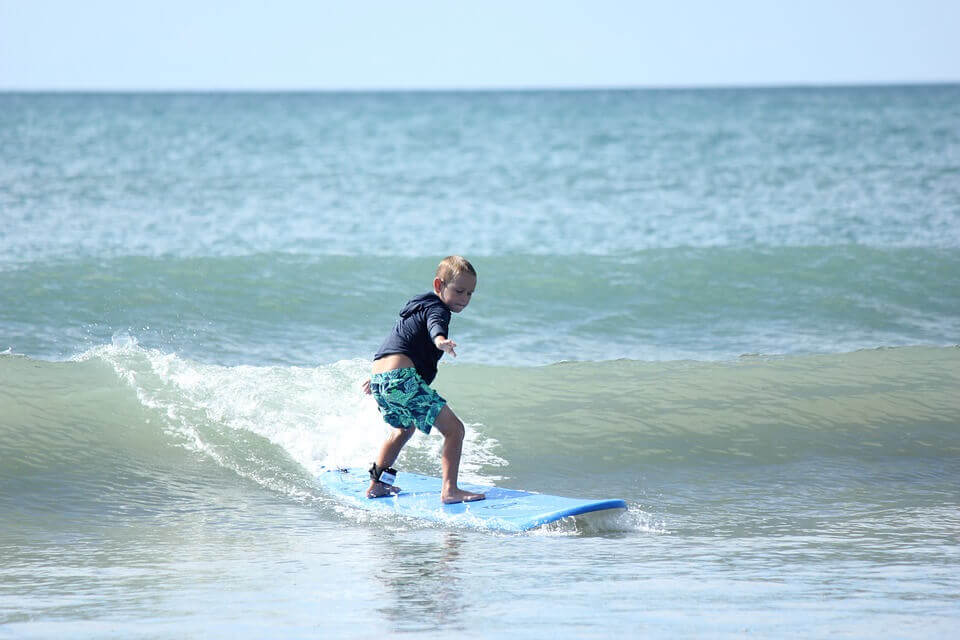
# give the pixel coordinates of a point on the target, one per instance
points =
(403, 369)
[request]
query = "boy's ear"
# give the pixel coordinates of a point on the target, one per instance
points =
(437, 285)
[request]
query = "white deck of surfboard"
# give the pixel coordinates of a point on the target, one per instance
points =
(503, 509)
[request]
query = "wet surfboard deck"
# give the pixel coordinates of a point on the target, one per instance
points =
(502, 510)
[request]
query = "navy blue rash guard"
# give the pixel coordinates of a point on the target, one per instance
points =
(421, 321)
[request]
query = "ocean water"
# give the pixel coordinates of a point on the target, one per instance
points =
(738, 310)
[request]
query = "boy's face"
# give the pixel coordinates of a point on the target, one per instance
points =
(456, 294)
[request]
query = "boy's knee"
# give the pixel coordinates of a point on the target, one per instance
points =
(450, 426)
(402, 435)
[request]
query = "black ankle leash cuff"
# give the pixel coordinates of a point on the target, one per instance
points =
(384, 475)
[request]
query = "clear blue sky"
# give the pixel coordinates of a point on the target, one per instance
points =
(175, 44)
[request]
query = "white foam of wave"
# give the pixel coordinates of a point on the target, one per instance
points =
(319, 416)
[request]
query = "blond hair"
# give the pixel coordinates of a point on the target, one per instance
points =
(452, 266)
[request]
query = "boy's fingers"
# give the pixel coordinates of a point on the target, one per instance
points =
(448, 346)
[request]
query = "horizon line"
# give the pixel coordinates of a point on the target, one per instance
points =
(489, 89)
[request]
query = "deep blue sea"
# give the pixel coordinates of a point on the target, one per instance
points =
(738, 310)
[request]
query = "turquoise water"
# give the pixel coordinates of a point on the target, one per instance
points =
(737, 310)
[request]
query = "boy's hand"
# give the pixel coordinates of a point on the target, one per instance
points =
(446, 345)
(366, 386)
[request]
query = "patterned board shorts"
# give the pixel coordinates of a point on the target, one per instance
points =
(405, 400)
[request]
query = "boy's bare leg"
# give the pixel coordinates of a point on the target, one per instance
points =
(387, 456)
(449, 425)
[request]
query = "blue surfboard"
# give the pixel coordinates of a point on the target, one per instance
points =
(503, 509)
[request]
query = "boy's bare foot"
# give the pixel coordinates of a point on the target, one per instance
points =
(379, 490)
(458, 495)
